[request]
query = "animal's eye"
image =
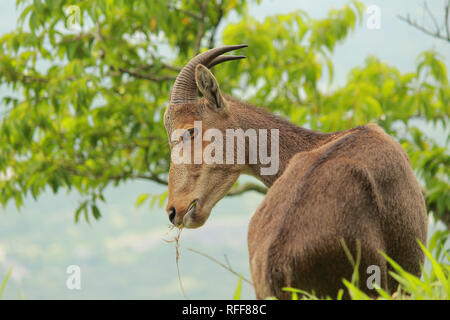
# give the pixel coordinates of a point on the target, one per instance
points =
(190, 134)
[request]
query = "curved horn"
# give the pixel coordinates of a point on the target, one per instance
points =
(184, 88)
(221, 59)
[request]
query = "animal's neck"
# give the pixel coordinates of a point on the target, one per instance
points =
(292, 138)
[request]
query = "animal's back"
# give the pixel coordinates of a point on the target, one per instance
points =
(358, 187)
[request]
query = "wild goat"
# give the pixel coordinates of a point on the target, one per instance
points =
(355, 185)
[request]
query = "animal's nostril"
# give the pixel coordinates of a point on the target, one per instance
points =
(172, 214)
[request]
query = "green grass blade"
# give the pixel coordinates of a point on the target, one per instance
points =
(355, 292)
(382, 293)
(237, 293)
(5, 280)
(295, 292)
(437, 270)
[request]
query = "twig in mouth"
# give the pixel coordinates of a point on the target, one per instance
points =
(176, 239)
(228, 267)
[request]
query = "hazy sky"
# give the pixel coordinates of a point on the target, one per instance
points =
(395, 42)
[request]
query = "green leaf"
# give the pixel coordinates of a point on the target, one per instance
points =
(4, 282)
(237, 293)
(141, 199)
(96, 212)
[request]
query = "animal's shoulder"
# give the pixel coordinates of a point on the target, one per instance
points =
(353, 146)
(359, 157)
(319, 182)
(358, 160)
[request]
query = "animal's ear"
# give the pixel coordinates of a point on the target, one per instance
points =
(209, 87)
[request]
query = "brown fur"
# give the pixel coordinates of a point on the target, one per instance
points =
(355, 185)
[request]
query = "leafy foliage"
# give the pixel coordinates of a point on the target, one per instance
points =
(434, 284)
(86, 102)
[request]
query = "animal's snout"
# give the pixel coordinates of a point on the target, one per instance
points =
(181, 215)
(172, 214)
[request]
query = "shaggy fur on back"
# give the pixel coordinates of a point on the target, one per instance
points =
(357, 187)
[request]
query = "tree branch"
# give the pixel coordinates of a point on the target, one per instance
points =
(212, 37)
(186, 12)
(155, 178)
(447, 27)
(421, 28)
(146, 76)
(222, 265)
(437, 33)
(436, 25)
(240, 189)
(201, 27)
(137, 72)
(126, 175)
